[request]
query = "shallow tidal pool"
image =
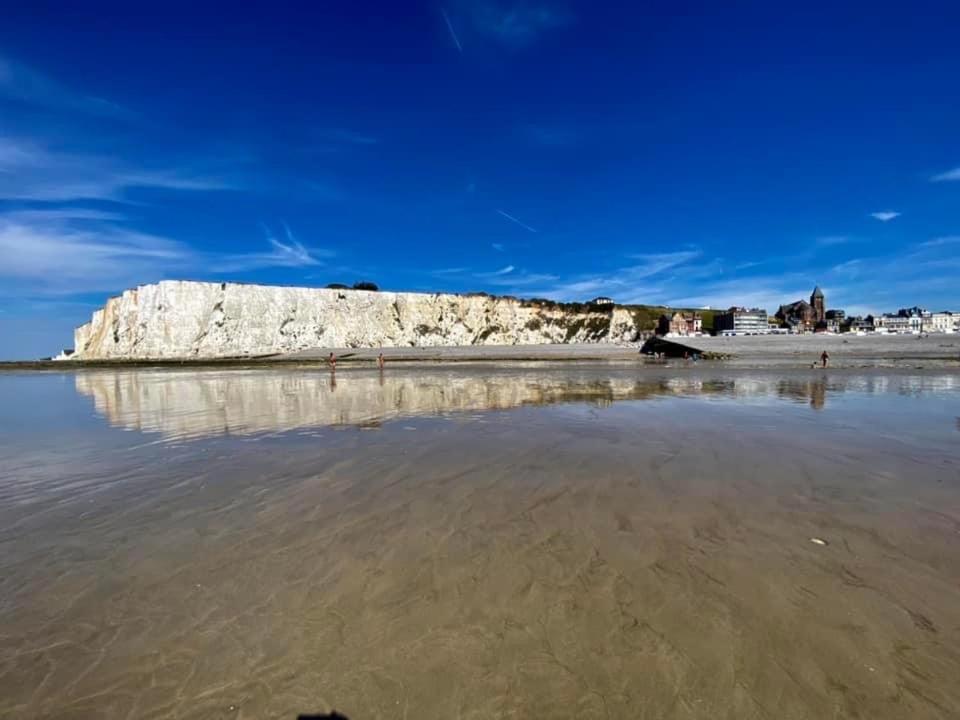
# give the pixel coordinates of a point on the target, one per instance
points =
(479, 541)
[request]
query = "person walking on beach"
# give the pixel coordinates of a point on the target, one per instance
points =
(332, 361)
(380, 361)
(824, 357)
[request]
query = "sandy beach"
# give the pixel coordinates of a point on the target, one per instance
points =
(776, 351)
(591, 540)
(781, 351)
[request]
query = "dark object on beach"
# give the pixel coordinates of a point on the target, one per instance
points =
(366, 286)
(334, 715)
(666, 348)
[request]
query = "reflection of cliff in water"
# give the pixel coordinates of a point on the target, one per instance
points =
(239, 402)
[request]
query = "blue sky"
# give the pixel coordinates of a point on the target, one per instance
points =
(682, 153)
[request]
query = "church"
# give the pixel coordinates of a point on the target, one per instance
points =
(803, 316)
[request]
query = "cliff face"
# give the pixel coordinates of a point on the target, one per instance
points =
(177, 319)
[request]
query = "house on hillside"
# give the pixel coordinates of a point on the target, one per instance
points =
(680, 323)
(601, 301)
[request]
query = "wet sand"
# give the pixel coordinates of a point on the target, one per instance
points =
(753, 351)
(747, 351)
(498, 543)
(783, 352)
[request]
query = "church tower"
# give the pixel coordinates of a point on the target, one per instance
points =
(819, 305)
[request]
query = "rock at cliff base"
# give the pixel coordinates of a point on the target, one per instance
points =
(670, 349)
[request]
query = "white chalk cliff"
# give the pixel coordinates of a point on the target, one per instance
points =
(180, 319)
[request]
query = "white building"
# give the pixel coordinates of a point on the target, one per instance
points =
(942, 322)
(917, 320)
(743, 321)
(898, 323)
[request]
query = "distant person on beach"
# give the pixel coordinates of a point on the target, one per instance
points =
(824, 357)
(332, 361)
(380, 361)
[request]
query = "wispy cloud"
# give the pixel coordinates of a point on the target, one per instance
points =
(850, 268)
(288, 253)
(453, 33)
(26, 85)
(654, 263)
(937, 242)
(767, 292)
(497, 246)
(30, 171)
(516, 23)
(520, 282)
(513, 279)
(49, 255)
(62, 214)
(646, 279)
(948, 176)
(923, 273)
(885, 216)
(512, 219)
(71, 251)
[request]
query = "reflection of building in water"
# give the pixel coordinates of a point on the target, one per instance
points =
(812, 390)
(818, 394)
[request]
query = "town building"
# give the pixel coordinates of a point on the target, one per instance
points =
(918, 320)
(943, 322)
(802, 316)
(796, 316)
(680, 323)
(819, 304)
(858, 324)
(835, 320)
(906, 320)
(601, 301)
(914, 311)
(743, 321)
(891, 323)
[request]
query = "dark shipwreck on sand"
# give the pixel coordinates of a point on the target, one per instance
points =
(668, 348)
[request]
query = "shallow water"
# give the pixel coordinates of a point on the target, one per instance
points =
(479, 541)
